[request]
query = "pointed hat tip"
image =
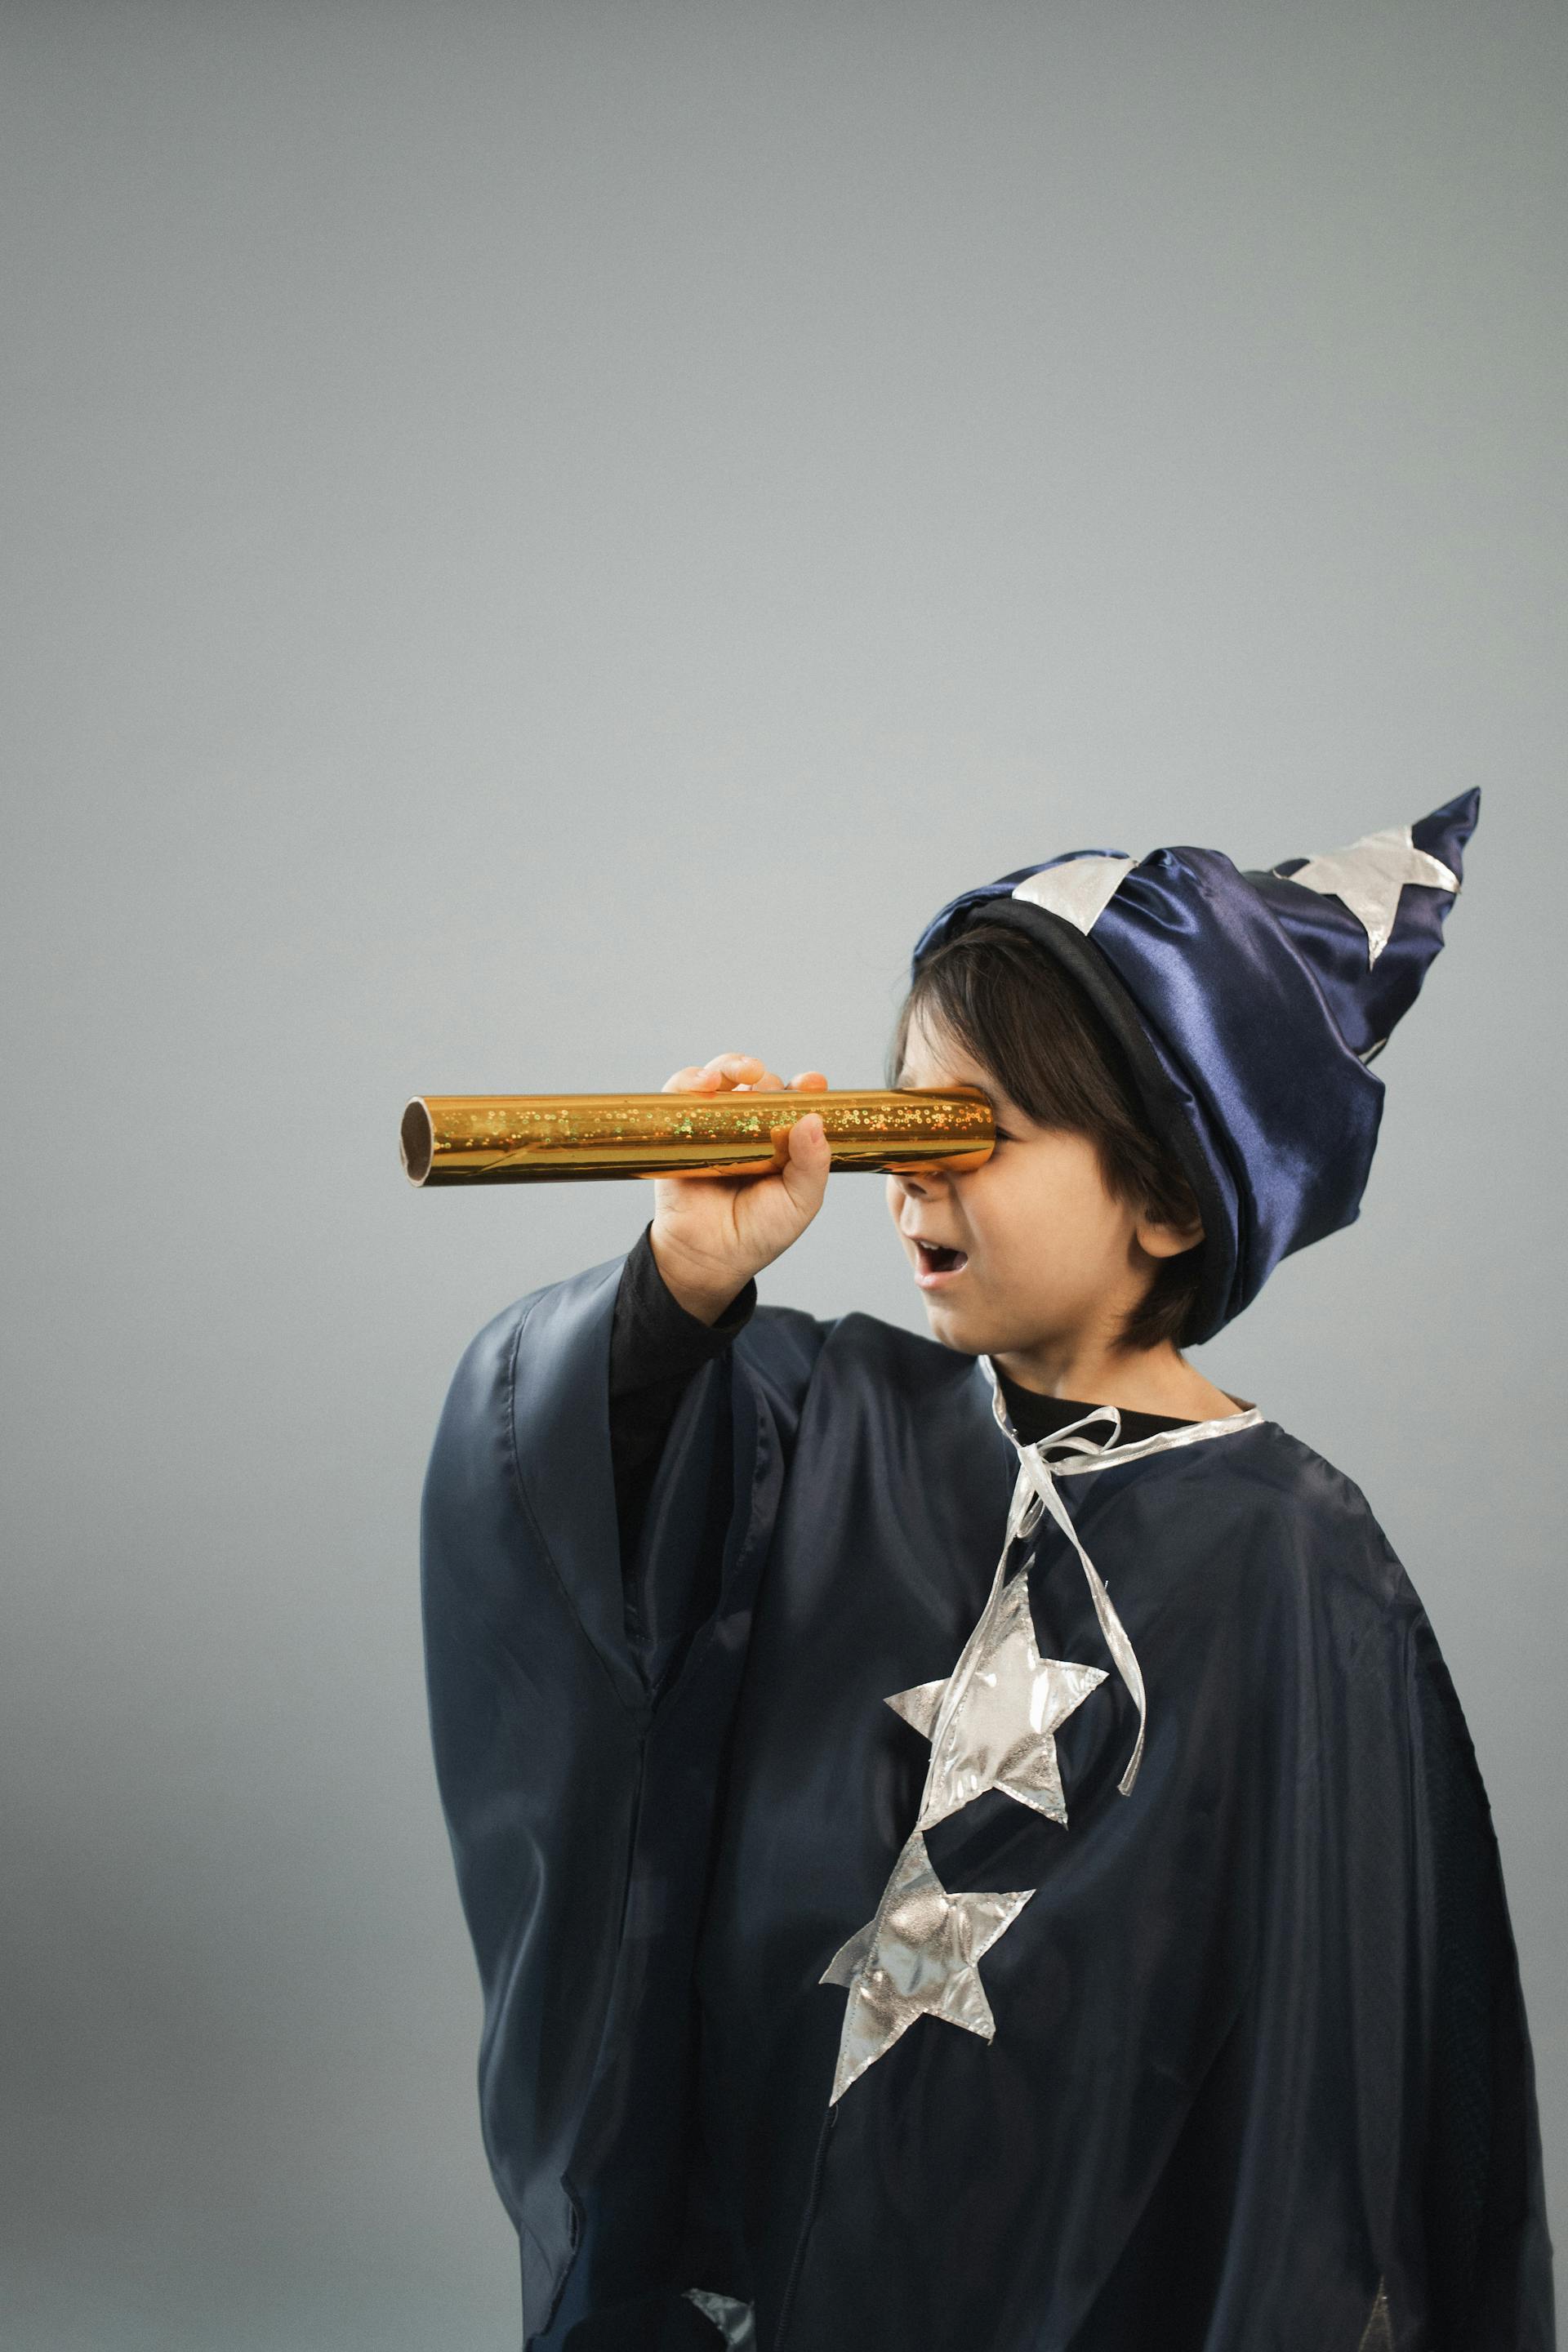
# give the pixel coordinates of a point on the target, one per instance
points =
(1443, 834)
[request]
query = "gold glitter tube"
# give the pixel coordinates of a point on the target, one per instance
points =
(566, 1138)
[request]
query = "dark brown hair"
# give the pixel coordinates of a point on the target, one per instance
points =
(1026, 1022)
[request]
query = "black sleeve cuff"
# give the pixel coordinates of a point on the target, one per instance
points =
(654, 1340)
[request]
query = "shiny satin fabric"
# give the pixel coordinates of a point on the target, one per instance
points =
(1260, 2052)
(1249, 1008)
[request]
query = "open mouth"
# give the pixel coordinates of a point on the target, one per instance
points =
(934, 1264)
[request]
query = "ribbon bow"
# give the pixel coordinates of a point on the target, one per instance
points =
(1036, 1492)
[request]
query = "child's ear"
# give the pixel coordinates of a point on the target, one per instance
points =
(1158, 1239)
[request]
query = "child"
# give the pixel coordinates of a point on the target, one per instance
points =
(890, 1944)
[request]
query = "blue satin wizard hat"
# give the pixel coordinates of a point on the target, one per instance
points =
(1249, 1006)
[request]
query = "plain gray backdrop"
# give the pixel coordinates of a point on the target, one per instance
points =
(542, 542)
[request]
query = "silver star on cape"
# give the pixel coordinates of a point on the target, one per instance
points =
(992, 1723)
(916, 1959)
(1368, 876)
(736, 2321)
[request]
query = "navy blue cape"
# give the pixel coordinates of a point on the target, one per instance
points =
(1260, 2080)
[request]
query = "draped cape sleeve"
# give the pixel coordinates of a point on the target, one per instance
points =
(578, 1717)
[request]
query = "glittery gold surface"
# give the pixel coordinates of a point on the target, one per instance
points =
(561, 1139)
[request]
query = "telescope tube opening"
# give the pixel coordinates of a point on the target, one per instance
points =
(416, 1140)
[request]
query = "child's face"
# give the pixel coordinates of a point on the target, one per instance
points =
(1028, 1251)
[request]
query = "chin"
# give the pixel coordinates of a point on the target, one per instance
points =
(953, 1328)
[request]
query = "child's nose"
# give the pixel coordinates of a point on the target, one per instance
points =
(919, 1182)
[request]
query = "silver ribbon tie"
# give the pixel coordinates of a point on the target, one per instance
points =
(1037, 1486)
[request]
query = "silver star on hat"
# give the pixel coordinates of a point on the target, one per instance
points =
(916, 1959)
(1077, 889)
(1368, 878)
(992, 1723)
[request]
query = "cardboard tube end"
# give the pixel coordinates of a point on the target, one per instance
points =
(416, 1141)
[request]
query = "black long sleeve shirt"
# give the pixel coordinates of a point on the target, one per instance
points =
(657, 1347)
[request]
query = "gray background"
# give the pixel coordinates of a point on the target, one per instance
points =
(543, 542)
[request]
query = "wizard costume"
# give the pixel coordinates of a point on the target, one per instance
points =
(955, 1868)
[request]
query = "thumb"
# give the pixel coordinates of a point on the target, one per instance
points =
(806, 1172)
(811, 1135)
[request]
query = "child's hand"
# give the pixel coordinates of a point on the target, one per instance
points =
(711, 1233)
